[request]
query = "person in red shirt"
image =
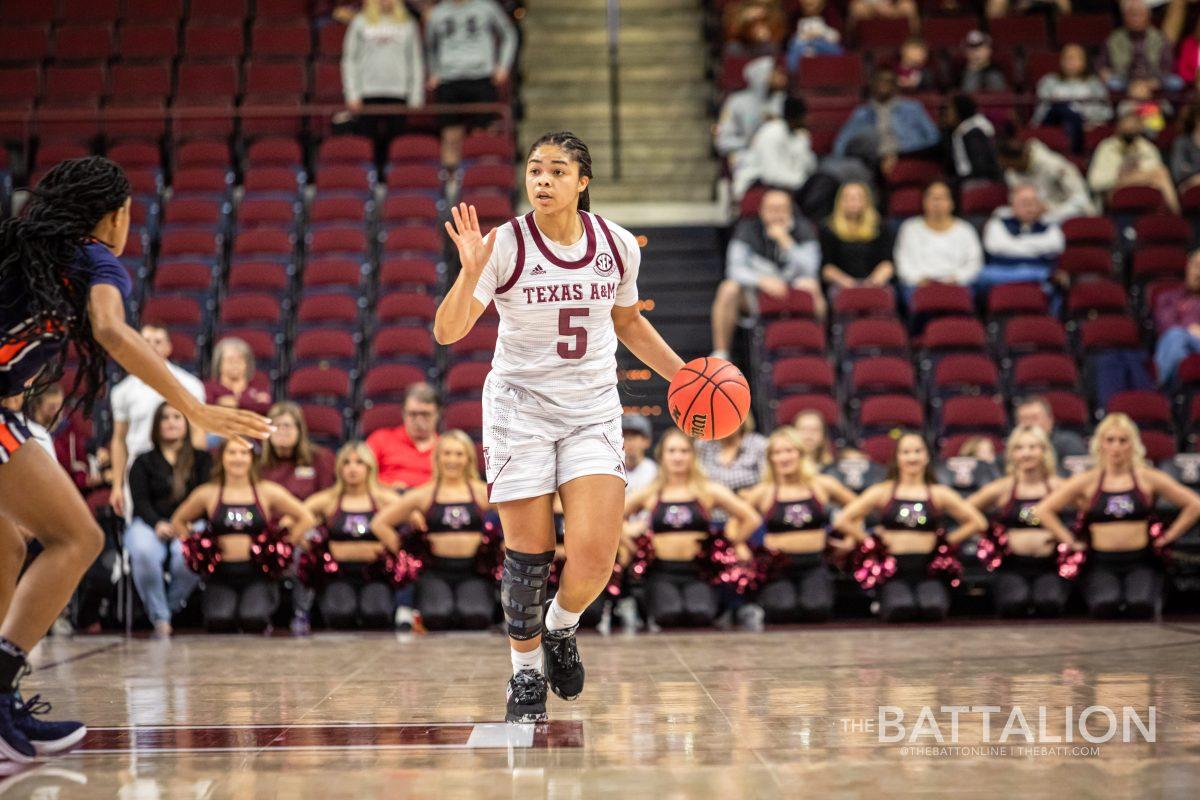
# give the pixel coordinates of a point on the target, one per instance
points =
(405, 453)
(1177, 318)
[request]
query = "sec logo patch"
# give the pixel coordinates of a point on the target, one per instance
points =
(604, 265)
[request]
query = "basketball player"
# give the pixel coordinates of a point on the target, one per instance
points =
(565, 285)
(60, 284)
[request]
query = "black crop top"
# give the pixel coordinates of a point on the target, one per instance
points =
(238, 518)
(689, 517)
(911, 515)
(351, 526)
(1130, 505)
(465, 517)
(1018, 512)
(795, 515)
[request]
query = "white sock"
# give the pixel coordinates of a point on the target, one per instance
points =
(531, 660)
(558, 618)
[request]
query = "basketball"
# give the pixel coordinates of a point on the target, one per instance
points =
(708, 398)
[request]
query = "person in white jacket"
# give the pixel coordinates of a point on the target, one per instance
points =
(937, 247)
(382, 64)
(780, 153)
(1021, 245)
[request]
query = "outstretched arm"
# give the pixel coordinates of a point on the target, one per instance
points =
(636, 333)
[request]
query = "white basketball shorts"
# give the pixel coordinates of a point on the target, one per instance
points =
(528, 451)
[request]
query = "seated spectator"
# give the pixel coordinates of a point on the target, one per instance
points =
(1021, 245)
(1002, 8)
(912, 73)
(937, 247)
(17, 405)
(770, 253)
(1177, 320)
(780, 153)
(466, 67)
(637, 437)
(760, 32)
(814, 36)
(1128, 158)
(405, 453)
(1141, 102)
(1035, 412)
(885, 9)
(1073, 97)
(886, 127)
(856, 246)
(979, 448)
(1185, 150)
(972, 141)
(235, 383)
(159, 480)
(1187, 65)
(743, 111)
(736, 461)
(289, 457)
(739, 19)
(979, 74)
(1137, 50)
(1058, 181)
(382, 64)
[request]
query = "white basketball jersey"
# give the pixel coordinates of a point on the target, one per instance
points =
(556, 338)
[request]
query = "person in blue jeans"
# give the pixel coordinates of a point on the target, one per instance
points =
(1177, 319)
(1021, 245)
(159, 481)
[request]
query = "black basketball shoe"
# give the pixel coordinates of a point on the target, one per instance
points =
(560, 662)
(526, 697)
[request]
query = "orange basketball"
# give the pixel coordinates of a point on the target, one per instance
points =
(708, 398)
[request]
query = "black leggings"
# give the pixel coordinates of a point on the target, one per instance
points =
(238, 596)
(676, 595)
(1129, 581)
(451, 594)
(353, 600)
(1030, 583)
(803, 593)
(911, 594)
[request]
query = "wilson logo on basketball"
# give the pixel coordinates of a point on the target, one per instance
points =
(604, 265)
(699, 423)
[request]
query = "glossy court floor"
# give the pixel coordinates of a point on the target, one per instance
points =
(674, 715)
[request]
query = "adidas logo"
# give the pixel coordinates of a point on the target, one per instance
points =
(537, 270)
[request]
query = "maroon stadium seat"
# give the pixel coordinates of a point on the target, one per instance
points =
(418, 241)
(219, 9)
(193, 212)
(326, 309)
(466, 377)
(325, 424)
(1086, 260)
(872, 337)
(981, 198)
(1093, 298)
(268, 244)
(864, 301)
(1096, 231)
(151, 10)
(410, 208)
(485, 146)
(383, 415)
(274, 151)
(465, 415)
(1162, 229)
(346, 239)
(830, 74)
(135, 154)
(949, 334)
(797, 303)
(1159, 445)
(891, 411)
(414, 178)
(275, 80)
(390, 381)
(1155, 262)
(343, 150)
(319, 384)
(396, 273)
(205, 39)
(882, 375)
(823, 404)
(802, 375)
(405, 306)
(794, 336)
(973, 414)
(403, 342)
(1013, 299)
(83, 41)
(271, 181)
(82, 10)
(942, 299)
(172, 312)
(484, 177)
(1146, 408)
(324, 344)
(1040, 372)
(1028, 334)
(1089, 30)
(332, 272)
(1109, 332)
(185, 277)
(879, 449)
(247, 309)
(415, 148)
(266, 212)
(188, 243)
(480, 342)
(24, 44)
(965, 374)
(145, 41)
(1027, 32)
(1070, 410)
(344, 178)
(250, 275)
(330, 38)
(905, 202)
(1136, 200)
(278, 38)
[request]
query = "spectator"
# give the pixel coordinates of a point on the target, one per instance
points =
(405, 453)
(16, 404)
(1035, 412)
(382, 65)
(979, 73)
(1021, 245)
(1058, 181)
(814, 436)
(937, 247)
(1073, 97)
(1137, 50)
(770, 253)
(1141, 102)
(237, 383)
(471, 45)
(744, 111)
(780, 153)
(749, 23)
(1177, 320)
(1002, 8)
(1185, 151)
(980, 448)
(854, 470)
(856, 246)
(913, 74)
(637, 434)
(159, 480)
(886, 126)
(814, 36)
(290, 458)
(1127, 158)
(885, 9)
(1187, 65)
(736, 461)
(972, 141)
(133, 407)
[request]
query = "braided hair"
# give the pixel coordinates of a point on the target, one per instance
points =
(577, 150)
(37, 252)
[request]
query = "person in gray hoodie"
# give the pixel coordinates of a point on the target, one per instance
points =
(743, 111)
(382, 64)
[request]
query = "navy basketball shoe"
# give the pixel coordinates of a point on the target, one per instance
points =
(47, 737)
(14, 742)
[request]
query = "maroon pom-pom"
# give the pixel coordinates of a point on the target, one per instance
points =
(403, 568)
(271, 553)
(614, 582)
(1070, 561)
(643, 556)
(556, 567)
(317, 565)
(993, 547)
(489, 558)
(719, 562)
(945, 564)
(202, 553)
(872, 564)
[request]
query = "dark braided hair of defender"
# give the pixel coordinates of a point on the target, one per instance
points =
(37, 251)
(578, 151)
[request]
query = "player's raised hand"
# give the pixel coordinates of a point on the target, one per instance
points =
(474, 249)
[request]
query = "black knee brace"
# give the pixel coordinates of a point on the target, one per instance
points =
(523, 592)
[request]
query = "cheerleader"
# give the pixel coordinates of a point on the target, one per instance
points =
(448, 511)
(794, 501)
(237, 507)
(913, 510)
(345, 510)
(1116, 501)
(1027, 578)
(680, 502)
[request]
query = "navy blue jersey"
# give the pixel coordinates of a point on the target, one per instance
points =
(26, 351)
